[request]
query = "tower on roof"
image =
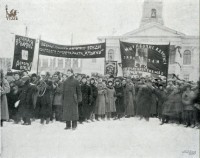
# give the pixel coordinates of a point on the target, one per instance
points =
(152, 12)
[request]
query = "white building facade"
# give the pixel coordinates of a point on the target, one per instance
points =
(183, 60)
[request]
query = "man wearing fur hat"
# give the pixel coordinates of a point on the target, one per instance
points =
(26, 101)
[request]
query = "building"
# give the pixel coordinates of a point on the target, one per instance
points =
(183, 60)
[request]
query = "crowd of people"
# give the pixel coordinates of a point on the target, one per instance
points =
(77, 98)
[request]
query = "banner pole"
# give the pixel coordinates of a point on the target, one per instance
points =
(168, 64)
(38, 55)
(105, 59)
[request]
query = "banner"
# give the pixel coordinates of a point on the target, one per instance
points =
(144, 57)
(79, 51)
(23, 53)
(111, 68)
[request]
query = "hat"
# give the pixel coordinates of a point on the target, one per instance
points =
(25, 78)
(34, 75)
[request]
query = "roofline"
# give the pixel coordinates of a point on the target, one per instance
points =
(155, 24)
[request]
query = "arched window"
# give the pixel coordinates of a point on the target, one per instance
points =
(153, 13)
(111, 54)
(172, 57)
(187, 57)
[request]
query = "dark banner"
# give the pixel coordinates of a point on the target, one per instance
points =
(79, 51)
(111, 68)
(23, 53)
(144, 57)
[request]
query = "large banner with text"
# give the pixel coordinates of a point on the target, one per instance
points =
(144, 57)
(23, 53)
(79, 51)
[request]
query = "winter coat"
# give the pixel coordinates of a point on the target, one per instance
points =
(173, 104)
(110, 106)
(44, 102)
(129, 96)
(144, 100)
(26, 106)
(71, 97)
(86, 100)
(120, 99)
(187, 100)
(101, 100)
(4, 89)
(94, 93)
(161, 94)
(154, 104)
(58, 92)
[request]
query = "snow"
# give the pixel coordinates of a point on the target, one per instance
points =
(125, 138)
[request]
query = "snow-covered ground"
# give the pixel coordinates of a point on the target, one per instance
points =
(126, 138)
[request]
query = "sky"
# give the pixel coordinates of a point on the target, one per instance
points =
(58, 20)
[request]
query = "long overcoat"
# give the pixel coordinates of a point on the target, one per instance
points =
(86, 100)
(129, 97)
(3, 99)
(120, 99)
(144, 100)
(110, 106)
(71, 97)
(173, 104)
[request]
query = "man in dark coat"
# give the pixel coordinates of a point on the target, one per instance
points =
(86, 99)
(120, 109)
(71, 97)
(26, 101)
(44, 101)
(94, 93)
(144, 100)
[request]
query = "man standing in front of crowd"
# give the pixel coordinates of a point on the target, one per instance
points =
(71, 97)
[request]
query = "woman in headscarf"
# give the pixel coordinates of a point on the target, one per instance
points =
(100, 109)
(110, 106)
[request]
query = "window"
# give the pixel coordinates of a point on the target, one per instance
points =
(186, 77)
(94, 60)
(187, 57)
(172, 57)
(111, 54)
(153, 13)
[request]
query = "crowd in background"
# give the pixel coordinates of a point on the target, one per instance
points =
(26, 97)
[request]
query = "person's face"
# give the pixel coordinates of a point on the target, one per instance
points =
(34, 78)
(117, 83)
(161, 87)
(188, 89)
(92, 81)
(79, 77)
(100, 79)
(69, 73)
(84, 80)
(123, 82)
(55, 77)
(64, 77)
(110, 84)
(16, 77)
(42, 77)
(142, 80)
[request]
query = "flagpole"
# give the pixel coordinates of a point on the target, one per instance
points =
(38, 61)
(105, 60)
(168, 64)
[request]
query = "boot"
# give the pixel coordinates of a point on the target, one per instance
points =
(47, 120)
(42, 121)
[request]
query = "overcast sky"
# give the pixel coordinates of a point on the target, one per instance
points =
(56, 20)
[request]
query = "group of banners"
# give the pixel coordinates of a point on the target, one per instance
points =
(135, 57)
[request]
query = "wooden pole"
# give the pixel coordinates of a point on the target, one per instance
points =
(38, 61)
(168, 64)
(105, 60)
